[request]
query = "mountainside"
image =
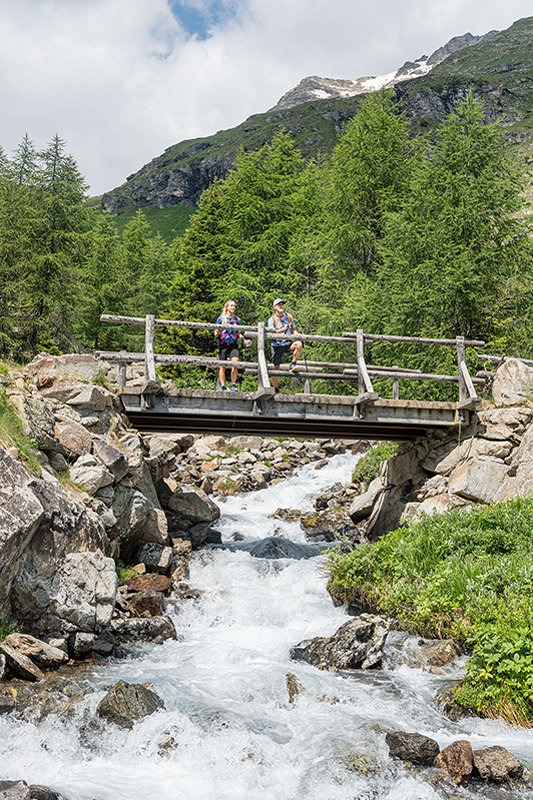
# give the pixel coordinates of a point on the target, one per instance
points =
(498, 70)
(316, 88)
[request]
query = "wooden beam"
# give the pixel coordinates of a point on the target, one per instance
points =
(381, 337)
(365, 384)
(467, 380)
(264, 380)
(176, 323)
(149, 363)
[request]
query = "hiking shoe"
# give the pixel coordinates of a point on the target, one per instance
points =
(293, 366)
(276, 390)
(233, 387)
(224, 388)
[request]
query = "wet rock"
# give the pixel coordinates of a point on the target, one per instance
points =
(456, 760)
(453, 710)
(14, 790)
(7, 701)
(287, 513)
(358, 644)
(412, 747)
(44, 793)
(184, 592)
(328, 526)
(146, 604)
(275, 547)
(19, 665)
(199, 534)
(150, 582)
(497, 764)
(43, 654)
(439, 653)
(194, 506)
(294, 687)
(181, 551)
(151, 629)
(156, 557)
(125, 703)
(81, 644)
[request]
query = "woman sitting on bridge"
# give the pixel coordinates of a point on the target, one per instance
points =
(228, 347)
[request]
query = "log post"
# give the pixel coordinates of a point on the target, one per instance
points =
(364, 383)
(395, 387)
(121, 373)
(461, 359)
(263, 379)
(149, 362)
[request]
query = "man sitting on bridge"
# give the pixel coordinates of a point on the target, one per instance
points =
(282, 322)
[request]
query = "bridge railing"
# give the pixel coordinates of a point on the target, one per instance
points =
(358, 371)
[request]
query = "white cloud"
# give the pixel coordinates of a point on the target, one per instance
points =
(121, 81)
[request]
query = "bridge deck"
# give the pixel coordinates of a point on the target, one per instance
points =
(308, 415)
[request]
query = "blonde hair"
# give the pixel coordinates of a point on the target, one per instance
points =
(225, 314)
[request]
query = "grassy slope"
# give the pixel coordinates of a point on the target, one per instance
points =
(169, 222)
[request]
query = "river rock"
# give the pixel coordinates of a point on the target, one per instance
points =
(412, 747)
(358, 644)
(439, 653)
(329, 525)
(150, 629)
(125, 703)
(111, 458)
(20, 665)
(3, 667)
(294, 687)
(156, 558)
(7, 700)
(497, 764)
(14, 790)
(150, 582)
(362, 505)
(43, 654)
(456, 760)
(146, 604)
(194, 506)
(44, 793)
(138, 520)
(512, 383)
(81, 644)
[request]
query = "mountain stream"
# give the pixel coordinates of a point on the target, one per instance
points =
(228, 731)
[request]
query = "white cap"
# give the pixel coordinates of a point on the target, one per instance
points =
(278, 301)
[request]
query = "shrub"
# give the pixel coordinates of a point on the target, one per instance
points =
(369, 466)
(466, 574)
(12, 435)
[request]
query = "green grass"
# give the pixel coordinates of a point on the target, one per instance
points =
(369, 466)
(12, 435)
(467, 575)
(169, 222)
(124, 572)
(7, 626)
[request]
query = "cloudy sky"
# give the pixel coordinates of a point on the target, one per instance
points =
(121, 80)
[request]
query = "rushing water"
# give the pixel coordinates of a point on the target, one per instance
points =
(228, 731)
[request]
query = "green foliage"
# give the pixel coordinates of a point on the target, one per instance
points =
(369, 466)
(123, 572)
(12, 435)
(466, 574)
(8, 626)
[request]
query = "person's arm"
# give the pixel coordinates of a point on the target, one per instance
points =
(217, 330)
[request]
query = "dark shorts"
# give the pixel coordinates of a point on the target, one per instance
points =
(279, 350)
(228, 351)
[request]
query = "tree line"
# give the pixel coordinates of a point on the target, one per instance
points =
(422, 235)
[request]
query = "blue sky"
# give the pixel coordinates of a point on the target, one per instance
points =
(122, 80)
(201, 19)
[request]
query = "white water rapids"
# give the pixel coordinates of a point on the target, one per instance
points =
(228, 731)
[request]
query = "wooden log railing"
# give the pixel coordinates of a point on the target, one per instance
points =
(359, 371)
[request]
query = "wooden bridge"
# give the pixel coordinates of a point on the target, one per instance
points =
(153, 408)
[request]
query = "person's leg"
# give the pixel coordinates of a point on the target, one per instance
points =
(234, 373)
(275, 379)
(222, 355)
(296, 349)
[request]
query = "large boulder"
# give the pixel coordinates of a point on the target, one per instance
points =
(513, 383)
(150, 629)
(412, 747)
(80, 366)
(138, 520)
(358, 644)
(479, 480)
(73, 437)
(127, 702)
(37, 419)
(110, 457)
(193, 505)
(44, 655)
(20, 665)
(14, 790)
(497, 764)
(21, 513)
(76, 592)
(456, 760)
(362, 505)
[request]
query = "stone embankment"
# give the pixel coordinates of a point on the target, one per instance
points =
(489, 461)
(104, 496)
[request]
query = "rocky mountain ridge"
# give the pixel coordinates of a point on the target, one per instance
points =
(498, 70)
(316, 88)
